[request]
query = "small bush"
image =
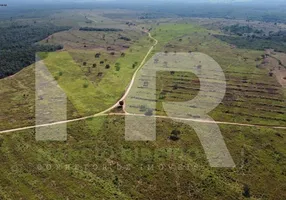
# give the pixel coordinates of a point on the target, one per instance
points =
(149, 112)
(175, 135)
(85, 85)
(246, 191)
(175, 132)
(174, 138)
(134, 64)
(124, 38)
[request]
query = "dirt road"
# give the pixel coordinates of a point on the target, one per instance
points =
(105, 112)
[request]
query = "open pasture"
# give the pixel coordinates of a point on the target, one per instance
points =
(252, 95)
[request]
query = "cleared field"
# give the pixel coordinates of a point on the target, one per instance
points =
(104, 89)
(90, 88)
(68, 18)
(218, 24)
(96, 162)
(18, 102)
(281, 57)
(87, 40)
(252, 95)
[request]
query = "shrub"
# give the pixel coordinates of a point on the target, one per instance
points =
(162, 96)
(100, 29)
(174, 138)
(175, 135)
(149, 112)
(175, 132)
(85, 85)
(246, 191)
(124, 38)
(134, 64)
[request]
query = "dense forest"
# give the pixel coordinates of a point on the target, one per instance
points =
(257, 40)
(18, 45)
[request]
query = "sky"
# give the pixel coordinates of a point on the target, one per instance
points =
(55, 1)
(133, 1)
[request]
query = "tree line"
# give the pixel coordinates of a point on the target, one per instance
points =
(99, 29)
(18, 45)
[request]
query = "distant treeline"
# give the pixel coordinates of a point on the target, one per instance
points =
(124, 38)
(274, 40)
(260, 10)
(18, 46)
(100, 29)
(242, 30)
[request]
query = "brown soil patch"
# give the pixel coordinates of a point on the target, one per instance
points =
(273, 62)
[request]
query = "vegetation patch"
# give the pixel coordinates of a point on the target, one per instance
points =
(100, 29)
(18, 46)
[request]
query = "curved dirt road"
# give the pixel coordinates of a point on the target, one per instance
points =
(133, 78)
(104, 113)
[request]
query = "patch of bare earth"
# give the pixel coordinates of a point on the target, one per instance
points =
(276, 63)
